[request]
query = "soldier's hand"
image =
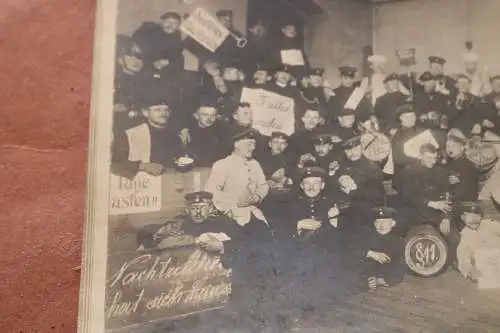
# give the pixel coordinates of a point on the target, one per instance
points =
(279, 175)
(333, 168)
(154, 169)
(212, 245)
(306, 158)
(185, 136)
(393, 131)
(372, 283)
(379, 257)
(488, 123)
(453, 179)
(443, 206)
(445, 226)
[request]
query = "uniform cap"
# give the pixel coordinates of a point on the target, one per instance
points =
(426, 76)
(279, 135)
(312, 171)
(462, 76)
(471, 207)
(457, 138)
(428, 148)
(316, 71)
(352, 142)
(283, 68)
(247, 134)
(437, 60)
(348, 71)
(321, 139)
(208, 101)
(173, 15)
(405, 108)
(384, 213)
(391, 77)
(198, 197)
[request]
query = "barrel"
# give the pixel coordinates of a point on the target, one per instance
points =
(376, 146)
(426, 251)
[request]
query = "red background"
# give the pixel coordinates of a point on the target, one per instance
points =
(45, 96)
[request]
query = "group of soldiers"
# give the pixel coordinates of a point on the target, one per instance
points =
(317, 183)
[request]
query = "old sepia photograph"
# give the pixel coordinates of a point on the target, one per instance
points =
(265, 166)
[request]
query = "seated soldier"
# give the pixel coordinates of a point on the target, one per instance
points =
(231, 90)
(323, 155)
(387, 105)
(205, 142)
(201, 225)
(239, 186)
(316, 212)
(283, 83)
(423, 189)
(462, 173)
(345, 127)
(479, 233)
(380, 251)
(260, 78)
(150, 147)
(361, 180)
(301, 141)
(275, 161)
(314, 91)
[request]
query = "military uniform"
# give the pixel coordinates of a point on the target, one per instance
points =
(228, 51)
(430, 107)
(386, 107)
(467, 111)
(336, 103)
(416, 186)
(443, 80)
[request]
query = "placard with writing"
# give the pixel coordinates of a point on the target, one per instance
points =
(411, 147)
(271, 112)
(160, 285)
(139, 195)
(293, 57)
(205, 29)
(488, 264)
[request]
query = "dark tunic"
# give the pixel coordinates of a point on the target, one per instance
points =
(313, 95)
(336, 104)
(285, 43)
(156, 44)
(410, 82)
(425, 102)
(126, 88)
(390, 244)
(385, 110)
(301, 142)
(228, 103)
(165, 148)
(205, 144)
(468, 187)
(271, 163)
(416, 186)
(229, 52)
(467, 114)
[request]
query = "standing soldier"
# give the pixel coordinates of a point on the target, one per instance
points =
(315, 91)
(275, 161)
(479, 79)
(289, 49)
(162, 46)
(430, 105)
(229, 51)
(387, 105)
(444, 83)
(283, 82)
(345, 126)
(466, 108)
(342, 93)
(301, 142)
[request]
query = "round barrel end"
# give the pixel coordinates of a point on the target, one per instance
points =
(426, 251)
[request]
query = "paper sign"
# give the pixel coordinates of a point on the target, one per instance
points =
(205, 29)
(292, 57)
(355, 98)
(139, 195)
(488, 264)
(412, 147)
(271, 112)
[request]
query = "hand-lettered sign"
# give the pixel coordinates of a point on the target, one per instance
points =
(205, 29)
(158, 285)
(292, 57)
(139, 195)
(271, 111)
(411, 147)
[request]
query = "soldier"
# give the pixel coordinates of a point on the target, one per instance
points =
(423, 189)
(162, 46)
(275, 161)
(128, 78)
(430, 105)
(387, 105)
(495, 88)
(283, 82)
(301, 140)
(315, 92)
(228, 51)
(212, 231)
(316, 212)
(479, 233)
(462, 174)
(342, 93)
(479, 80)
(231, 89)
(380, 251)
(466, 112)
(239, 186)
(444, 83)
(345, 126)
(289, 49)
(260, 77)
(150, 147)
(361, 180)
(205, 141)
